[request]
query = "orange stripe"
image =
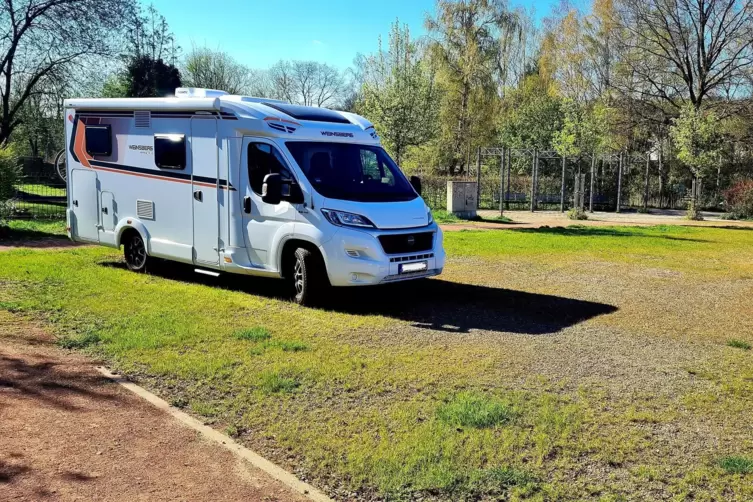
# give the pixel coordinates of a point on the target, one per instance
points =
(161, 178)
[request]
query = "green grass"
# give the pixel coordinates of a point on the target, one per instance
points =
(32, 229)
(737, 465)
(550, 364)
(255, 334)
(474, 410)
(738, 344)
(43, 190)
(79, 342)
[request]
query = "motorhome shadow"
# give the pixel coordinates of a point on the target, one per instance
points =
(433, 304)
(247, 186)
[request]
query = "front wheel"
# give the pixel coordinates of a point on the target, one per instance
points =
(134, 252)
(308, 277)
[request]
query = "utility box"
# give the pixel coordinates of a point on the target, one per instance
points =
(462, 198)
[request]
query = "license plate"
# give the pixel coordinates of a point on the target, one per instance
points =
(407, 268)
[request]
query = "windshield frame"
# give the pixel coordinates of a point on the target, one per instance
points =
(403, 192)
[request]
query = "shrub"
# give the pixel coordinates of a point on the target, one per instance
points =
(739, 199)
(577, 213)
(693, 212)
(10, 174)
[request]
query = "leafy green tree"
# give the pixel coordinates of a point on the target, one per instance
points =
(465, 48)
(697, 140)
(151, 78)
(399, 94)
(531, 116)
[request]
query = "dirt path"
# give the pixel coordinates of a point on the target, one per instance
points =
(527, 219)
(67, 433)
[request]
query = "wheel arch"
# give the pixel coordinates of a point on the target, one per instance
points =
(287, 251)
(131, 224)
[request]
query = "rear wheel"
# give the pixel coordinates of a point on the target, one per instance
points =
(308, 277)
(134, 251)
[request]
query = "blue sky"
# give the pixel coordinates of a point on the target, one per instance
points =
(259, 33)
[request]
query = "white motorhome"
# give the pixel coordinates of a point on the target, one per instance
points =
(246, 185)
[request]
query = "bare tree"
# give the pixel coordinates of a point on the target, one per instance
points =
(685, 50)
(308, 83)
(43, 39)
(212, 69)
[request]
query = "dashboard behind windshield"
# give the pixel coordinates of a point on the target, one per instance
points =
(351, 172)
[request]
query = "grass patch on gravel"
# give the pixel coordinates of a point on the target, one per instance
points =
(556, 364)
(470, 409)
(738, 344)
(737, 465)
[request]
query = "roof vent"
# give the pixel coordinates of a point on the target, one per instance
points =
(198, 92)
(281, 128)
(143, 119)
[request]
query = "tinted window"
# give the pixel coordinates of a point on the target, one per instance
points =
(264, 159)
(170, 151)
(99, 140)
(351, 172)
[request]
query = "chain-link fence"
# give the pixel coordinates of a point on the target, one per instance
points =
(37, 192)
(530, 179)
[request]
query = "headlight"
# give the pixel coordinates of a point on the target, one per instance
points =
(429, 216)
(344, 219)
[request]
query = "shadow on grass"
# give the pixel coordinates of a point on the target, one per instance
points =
(433, 304)
(584, 231)
(23, 237)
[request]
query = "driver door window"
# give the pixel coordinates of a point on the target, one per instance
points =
(264, 159)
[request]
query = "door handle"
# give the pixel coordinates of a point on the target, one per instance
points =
(75, 203)
(247, 204)
(198, 195)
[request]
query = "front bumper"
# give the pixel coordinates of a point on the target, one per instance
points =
(355, 257)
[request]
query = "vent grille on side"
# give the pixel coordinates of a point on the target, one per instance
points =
(143, 119)
(145, 209)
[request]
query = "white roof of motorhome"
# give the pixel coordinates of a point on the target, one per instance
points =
(211, 100)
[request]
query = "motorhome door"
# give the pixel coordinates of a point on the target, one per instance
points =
(84, 204)
(204, 180)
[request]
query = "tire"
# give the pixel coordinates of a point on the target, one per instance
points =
(134, 252)
(60, 166)
(308, 278)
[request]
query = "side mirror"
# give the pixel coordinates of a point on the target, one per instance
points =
(415, 181)
(271, 190)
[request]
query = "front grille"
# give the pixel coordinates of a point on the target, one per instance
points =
(414, 257)
(407, 243)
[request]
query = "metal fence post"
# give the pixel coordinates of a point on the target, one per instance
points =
(478, 177)
(645, 190)
(509, 167)
(562, 191)
(591, 188)
(533, 180)
(619, 184)
(501, 179)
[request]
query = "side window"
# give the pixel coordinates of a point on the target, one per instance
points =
(373, 169)
(170, 151)
(264, 159)
(98, 140)
(370, 166)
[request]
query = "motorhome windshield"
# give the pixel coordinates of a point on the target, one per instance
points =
(351, 172)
